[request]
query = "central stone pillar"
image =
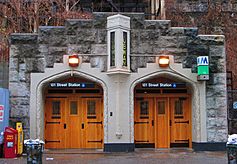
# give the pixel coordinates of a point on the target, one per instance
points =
(119, 139)
(118, 34)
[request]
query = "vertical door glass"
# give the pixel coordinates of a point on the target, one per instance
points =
(56, 111)
(91, 109)
(178, 107)
(73, 108)
(144, 109)
(161, 107)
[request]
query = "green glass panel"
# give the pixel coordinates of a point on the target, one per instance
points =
(112, 49)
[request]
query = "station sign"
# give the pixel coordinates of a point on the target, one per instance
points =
(71, 85)
(203, 67)
(202, 60)
(163, 85)
(1, 113)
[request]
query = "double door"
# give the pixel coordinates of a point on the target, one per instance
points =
(73, 123)
(163, 122)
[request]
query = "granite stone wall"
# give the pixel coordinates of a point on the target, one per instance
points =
(212, 17)
(3, 74)
(149, 38)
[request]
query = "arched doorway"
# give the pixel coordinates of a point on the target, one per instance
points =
(73, 113)
(162, 113)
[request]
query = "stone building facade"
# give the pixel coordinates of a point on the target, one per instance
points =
(212, 17)
(36, 60)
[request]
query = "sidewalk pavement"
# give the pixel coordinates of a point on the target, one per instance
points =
(140, 156)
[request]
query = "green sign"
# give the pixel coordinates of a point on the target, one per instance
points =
(203, 70)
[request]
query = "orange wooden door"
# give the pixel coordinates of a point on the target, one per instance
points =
(74, 117)
(54, 123)
(162, 123)
(92, 123)
(144, 121)
(180, 122)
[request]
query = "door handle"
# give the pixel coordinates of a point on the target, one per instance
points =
(65, 126)
(170, 123)
(82, 125)
(152, 122)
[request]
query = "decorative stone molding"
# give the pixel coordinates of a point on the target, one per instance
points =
(176, 71)
(40, 80)
(118, 34)
(118, 21)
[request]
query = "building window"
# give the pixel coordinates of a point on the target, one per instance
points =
(125, 49)
(112, 49)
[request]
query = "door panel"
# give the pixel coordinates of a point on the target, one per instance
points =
(165, 121)
(92, 124)
(74, 117)
(74, 123)
(180, 121)
(54, 123)
(162, 123)
(144, 121)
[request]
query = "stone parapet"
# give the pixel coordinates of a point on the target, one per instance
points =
(23, 38)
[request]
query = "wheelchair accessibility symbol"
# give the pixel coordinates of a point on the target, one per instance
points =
(235, 105)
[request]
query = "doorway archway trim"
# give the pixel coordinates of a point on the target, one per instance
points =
(40, 80)
(177, 72)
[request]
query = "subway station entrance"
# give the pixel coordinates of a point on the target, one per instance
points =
(162, 114)
(74, 114)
